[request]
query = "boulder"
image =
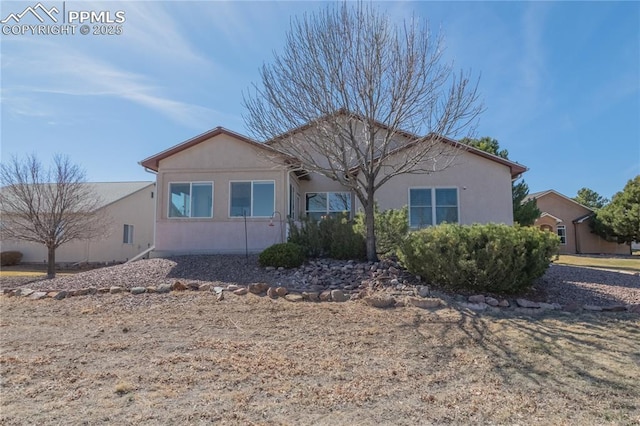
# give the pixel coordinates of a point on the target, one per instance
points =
(491, 301)
(151, 289)
(592, 308)
(37, 295)
(216, 289)
(380, 301)
(164, 288)
(293, 297)
(240, 291)
(311, 296)
(281, 291)
(178, 286)
(524, 303)
(504, 303)
(138, 290)
(271, 292)
(478, 307)
(614, 308)
(26, 292)
(422, 291)
(61, 295)
(258, 288)
(338, 296)
(204, 287)
(477, 298)
(325, 296)
(424, 303)
(115, 289)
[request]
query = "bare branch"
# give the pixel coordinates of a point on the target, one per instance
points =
(359, 92)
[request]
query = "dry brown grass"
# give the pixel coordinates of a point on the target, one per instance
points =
(185, 359)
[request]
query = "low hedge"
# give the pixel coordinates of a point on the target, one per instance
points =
(287, 255)
(10, 258)
(490, 258)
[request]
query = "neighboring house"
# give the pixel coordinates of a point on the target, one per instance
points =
(221, 192)
(571, 221)
(129, 208)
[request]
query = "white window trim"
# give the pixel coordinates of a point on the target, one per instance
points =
(252, 182)
(129, 234)
(327, 211)
(565, 234)
(190, 192)
(433, 202)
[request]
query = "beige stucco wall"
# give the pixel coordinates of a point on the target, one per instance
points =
(136, 209)
(221, 160)
(584, 241)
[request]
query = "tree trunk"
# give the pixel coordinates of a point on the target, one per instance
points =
(51, 262)
(369, 222)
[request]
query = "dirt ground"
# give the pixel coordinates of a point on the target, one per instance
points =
(183, 358)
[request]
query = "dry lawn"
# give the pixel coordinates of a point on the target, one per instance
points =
(185, 359)
(622, 263)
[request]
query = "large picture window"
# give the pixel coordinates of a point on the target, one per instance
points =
(319, 204)
(252, 198)
(191, 199)
(432, 206)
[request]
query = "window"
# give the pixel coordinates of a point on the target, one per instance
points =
(191, 199)
(252, 198)
(127, 237)
(429, 206)
(319, 204)
(562, 233)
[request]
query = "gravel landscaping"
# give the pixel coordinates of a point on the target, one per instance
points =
(564, 285)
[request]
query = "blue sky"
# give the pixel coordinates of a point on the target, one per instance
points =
(560, 81)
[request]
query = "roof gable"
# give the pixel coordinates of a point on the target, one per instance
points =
(153, 162)
(542, 194)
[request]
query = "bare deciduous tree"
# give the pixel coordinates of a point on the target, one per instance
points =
(48, 206)
(363, 89)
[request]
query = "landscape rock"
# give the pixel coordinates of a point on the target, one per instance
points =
(258, 288)
(216, 289)
(380, 301)
(37, 295)
(528, 311)
(92, 290)
(115, 289)
(271, 292)
(422, 291)
(151, 289)
(178, 286)
(294, 297)
(104, 290)
(634, 308)
(220, 297)
(524, 303)
(25, 292)
(595, 308)
(240, 291)
(164, 288)
(475, 306)
(233, 287)
(204, 287)
(311, 296)
(338, 296)
(281, 291)
(138, 290)
(477, 298)
(270, 268)
(423, 303)
(193, 286)
(614, 308)
(492, 301)
(325, 296)
(549, 306)
(81, 292)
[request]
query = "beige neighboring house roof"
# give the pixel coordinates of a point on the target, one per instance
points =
(110, 192)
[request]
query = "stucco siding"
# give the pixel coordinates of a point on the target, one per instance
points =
(136, 209)
(579, 238)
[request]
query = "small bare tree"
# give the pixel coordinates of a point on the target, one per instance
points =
(48, 206)
(364, 90)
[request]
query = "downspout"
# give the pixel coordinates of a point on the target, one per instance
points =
(155, 204)
(575, 232)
